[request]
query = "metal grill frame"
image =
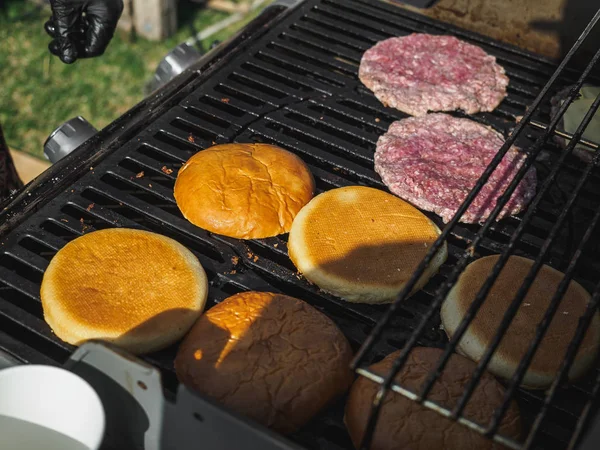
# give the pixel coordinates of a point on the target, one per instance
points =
(296, 113)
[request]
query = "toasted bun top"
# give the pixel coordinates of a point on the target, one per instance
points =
(361, 234)
(271, 357)
(522, 330)
(123, 285)
(405, 424)
(244, 191)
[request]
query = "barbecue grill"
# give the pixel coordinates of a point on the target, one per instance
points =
(290, 79)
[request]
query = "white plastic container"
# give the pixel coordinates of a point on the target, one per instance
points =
(45, 407)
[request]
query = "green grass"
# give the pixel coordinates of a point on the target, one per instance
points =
(38, 92)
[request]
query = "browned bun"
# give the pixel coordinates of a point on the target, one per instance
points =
(521, 332)
(268, 356)
(139, 290)
(362, 244)
(404, 424)
(245, 191)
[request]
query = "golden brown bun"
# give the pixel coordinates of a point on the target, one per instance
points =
(139, 290)
(271, 357)
(362, 244)
(521, 332)
(245, 191)
(406, 425)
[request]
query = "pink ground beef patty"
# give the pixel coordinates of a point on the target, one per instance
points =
(422, 72)
(434, 161)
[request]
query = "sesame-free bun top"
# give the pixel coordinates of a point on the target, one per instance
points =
(245, 191)
(139, 290)
(270, 357)
(404, 424)
(520, 334)
(362, 244)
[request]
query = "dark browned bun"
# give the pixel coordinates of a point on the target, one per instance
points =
(404, 424)
(270, 357)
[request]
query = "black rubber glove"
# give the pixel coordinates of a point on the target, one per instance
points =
(82, 28)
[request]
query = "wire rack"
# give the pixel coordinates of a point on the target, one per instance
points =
(490, 429)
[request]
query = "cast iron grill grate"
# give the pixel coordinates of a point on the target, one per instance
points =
(297, 87)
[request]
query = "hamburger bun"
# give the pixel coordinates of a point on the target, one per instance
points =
(245, 191)
(270, 357)
(404, 424)
(520, 334)
(136, 289)
(362, 244)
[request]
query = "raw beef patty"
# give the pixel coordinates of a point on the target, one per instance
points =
(422, 72)
(434, 161)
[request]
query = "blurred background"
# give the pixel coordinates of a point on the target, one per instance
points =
(38, 92)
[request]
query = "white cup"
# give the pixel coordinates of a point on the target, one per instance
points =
(45, 407)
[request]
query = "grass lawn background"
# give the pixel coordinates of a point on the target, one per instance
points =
(38, 92)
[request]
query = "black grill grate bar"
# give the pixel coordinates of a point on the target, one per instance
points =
(22, 319)
(252, 93)
(210, 115)
(175, 141)
(585, 415)
(231, 112)
(152, 170)
(163, 152)
(317, 81)
(194, 128)
(277, 89)
(164, 196)
(572, 349)
(345, 41)
(346, 118)
(331, 165)
(269, 74)
(326, 16)
(323, 44)
(524, 288)
(399, 362)
(147, 185)
(47, 239)
(564, 134)
(312, 58)
(27, 257)
(338, 154)
(38, 246)
(20, 284)
(338, 126)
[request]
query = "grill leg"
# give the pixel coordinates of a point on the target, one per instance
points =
(9, 178)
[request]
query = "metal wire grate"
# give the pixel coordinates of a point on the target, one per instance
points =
(491, 429)
(297, 87)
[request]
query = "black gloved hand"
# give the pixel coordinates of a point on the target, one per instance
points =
(82, 28)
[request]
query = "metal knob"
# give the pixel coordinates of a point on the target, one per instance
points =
(176, 61)
(67, 138)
